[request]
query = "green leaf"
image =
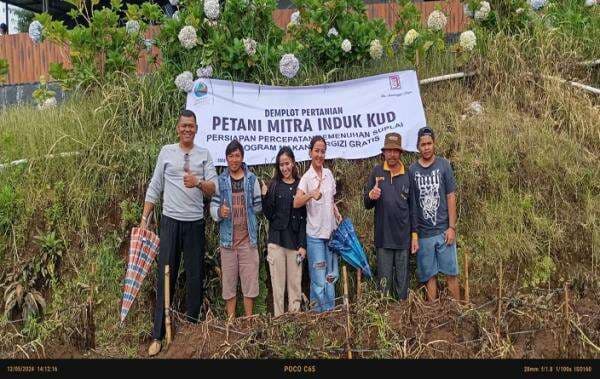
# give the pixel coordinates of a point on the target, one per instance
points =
(73, 13)
(426, 46)
(116, 4)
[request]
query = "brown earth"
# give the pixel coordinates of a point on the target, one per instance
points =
(411, 329)
(530, 326)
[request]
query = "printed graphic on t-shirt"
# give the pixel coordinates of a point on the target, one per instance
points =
(429, 194)
(238, 208)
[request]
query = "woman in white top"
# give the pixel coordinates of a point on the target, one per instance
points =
(316, 190)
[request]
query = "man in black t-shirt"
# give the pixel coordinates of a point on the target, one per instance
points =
(433, 202)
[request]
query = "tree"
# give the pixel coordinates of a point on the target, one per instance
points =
(24, 18)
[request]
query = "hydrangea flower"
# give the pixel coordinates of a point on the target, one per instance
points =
(249, 46)
(467, 40)
(590, 3)
(205, 72)
(132, 27)
(211, 9)
(289, 65)
(148, 43)
(410, 37)
(174, 2)
(537, 4)
(48, 103)
(187, 37)
(185, 81)
(35, 31)
(332, 32)
(346, 45)
(376, 50)
(295, 18)
(175, 15)
(483, 12)
(436, 20)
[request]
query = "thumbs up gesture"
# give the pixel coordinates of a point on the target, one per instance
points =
(263, 188)
(316, 193)
(224, 210)
(375, 192)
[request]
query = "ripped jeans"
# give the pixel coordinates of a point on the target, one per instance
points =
(323, 272)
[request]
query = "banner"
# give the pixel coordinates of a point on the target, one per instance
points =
(353, 116)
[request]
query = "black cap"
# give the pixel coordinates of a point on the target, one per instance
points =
(425, 131)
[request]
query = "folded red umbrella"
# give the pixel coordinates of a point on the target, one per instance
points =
(143, 249)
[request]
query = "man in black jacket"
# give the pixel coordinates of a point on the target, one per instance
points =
(388, 191)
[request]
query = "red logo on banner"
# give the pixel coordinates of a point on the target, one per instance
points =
(395, 82)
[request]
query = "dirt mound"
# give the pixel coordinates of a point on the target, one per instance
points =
(530, 326)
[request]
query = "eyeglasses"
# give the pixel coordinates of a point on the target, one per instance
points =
(186, 162)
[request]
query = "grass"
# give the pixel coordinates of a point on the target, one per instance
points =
(527, 171)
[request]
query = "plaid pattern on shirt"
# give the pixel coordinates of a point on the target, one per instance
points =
(142, 252)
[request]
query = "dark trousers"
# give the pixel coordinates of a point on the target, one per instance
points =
(177, 236)
(392, 270)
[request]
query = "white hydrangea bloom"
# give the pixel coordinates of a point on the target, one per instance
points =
(205, 72)
(295, 18)
(376, 50)
(185, 81)
(537, 4)
(436, 20)
(148, 43)
(175, 15)
(35, 31)
(211, 9)
(410, 37)
(590, 3)
(467, 40)
(48, 103)
(249, 46)
(483, 12)
(346, 45)
(132, 27)
(174, 2)
(332, 32)
(187, 37)
(289, 65)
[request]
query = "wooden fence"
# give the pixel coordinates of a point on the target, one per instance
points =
(389, 13)
(28, 61)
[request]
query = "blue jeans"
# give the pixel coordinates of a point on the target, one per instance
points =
(322, 264)
(434, 256)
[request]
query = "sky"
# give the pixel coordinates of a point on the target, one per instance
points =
(12, 24)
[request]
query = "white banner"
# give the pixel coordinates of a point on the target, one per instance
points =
(353, 116)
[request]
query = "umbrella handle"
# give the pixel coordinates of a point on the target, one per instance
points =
(151, 225)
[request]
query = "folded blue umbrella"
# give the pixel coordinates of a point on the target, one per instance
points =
(345, 243)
